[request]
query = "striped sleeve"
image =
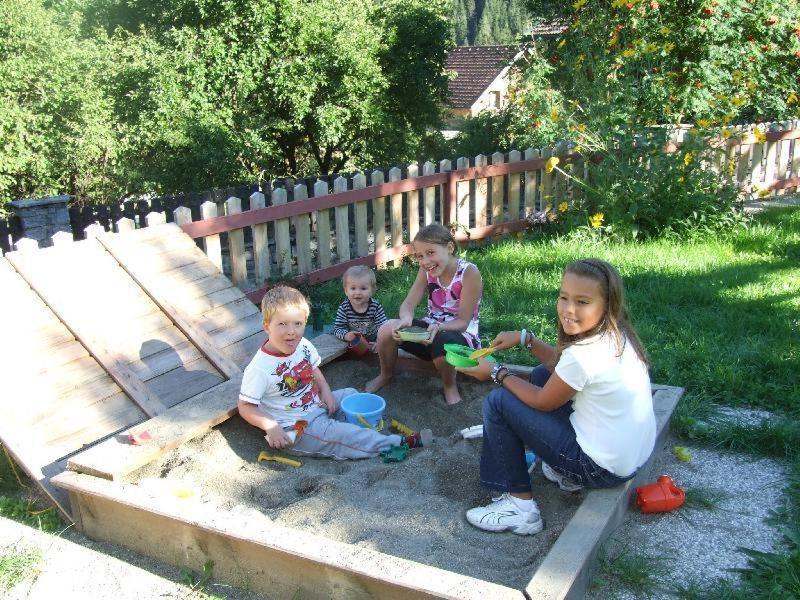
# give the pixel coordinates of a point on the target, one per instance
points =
(380, 315)
(340, 325)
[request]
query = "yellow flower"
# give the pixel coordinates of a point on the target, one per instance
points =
(760, 136)
(628, 52)
(596, 220)
(554, 114)
(562, 207)
(551, 164)
(704, 122)
(668, 47)
(687, 158)
(614, 39)
(681, 179)
(737, 100)
(731, 168)
(726, 133)
(618, 3)
(579, 59)
(562, 42)
(792, 98)
(579, 4)
(763, 192)
(665, 31)
(650, 48)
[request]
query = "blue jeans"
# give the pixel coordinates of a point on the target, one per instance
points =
(509, 426)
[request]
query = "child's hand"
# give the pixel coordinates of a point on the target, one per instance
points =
(276, 437)
(329, 402)
(350, 336)
(433, 329)
(482, 371)
(398, 324)
(505, 340)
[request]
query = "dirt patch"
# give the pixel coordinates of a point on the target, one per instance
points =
(414, 509)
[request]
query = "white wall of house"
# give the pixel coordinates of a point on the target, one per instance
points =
(495, 96)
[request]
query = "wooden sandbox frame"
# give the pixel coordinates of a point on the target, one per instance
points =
(250, 551)
(174, 370)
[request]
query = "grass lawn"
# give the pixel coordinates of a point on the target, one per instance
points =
(719, 316)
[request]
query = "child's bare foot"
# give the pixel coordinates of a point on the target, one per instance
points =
(374, 385)
(451, 395)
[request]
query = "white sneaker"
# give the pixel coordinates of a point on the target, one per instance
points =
(502, 514)
(566, 484)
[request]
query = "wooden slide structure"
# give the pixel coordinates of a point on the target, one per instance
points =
(113, 336)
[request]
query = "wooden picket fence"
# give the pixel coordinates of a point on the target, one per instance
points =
(315, 232)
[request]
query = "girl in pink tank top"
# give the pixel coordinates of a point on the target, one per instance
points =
(453, 287)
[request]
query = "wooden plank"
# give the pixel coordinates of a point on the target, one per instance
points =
(243, 350)
(546, 179)
(185, 381)
(445, 166)
(497, 194)
(83, 319)
(261, 265)
(513, 187)
(283, 244)
(250, 550)
(565, 571)
(413, 204)
(429, 196)
(114, 459)
(236, 254)
(43, 400)
(322, 219)
(378, 213)
(396, 214)
(228, 314)
(342, 223)
(159, 290)
(531, 182)
(236, 330)
(360, 216)
(302, 232)
(211, 243)
(462, 197)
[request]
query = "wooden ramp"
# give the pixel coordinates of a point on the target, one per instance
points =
(113, 336)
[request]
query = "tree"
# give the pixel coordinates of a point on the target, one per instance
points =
(709, 61)
(55, 121)
(223, 91)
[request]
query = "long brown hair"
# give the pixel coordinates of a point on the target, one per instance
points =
(616, 320)
(438, 235)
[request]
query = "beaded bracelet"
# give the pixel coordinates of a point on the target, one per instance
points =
(502, 377)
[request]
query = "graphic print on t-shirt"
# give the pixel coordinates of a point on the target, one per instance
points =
(297, 382)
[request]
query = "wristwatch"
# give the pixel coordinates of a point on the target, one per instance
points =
(496, 370)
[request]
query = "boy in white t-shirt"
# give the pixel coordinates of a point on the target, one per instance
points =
(285, 394)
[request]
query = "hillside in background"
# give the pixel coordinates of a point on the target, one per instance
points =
(484, 22)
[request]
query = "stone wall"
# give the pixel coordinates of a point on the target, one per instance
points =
(42, 217)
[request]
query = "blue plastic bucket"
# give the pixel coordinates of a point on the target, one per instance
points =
(364, 409)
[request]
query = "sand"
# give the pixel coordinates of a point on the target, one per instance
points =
(414, 509)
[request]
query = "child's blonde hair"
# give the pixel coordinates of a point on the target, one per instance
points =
(615, 321)
(281, 297)
(360, 272)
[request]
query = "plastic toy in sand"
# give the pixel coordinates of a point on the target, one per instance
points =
(262, 456)
(661, 496)
(394, 454)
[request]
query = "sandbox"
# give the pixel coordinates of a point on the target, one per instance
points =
(351, 529)
(188, 494)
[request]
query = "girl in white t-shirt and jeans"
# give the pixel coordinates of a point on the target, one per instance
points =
(587, 410)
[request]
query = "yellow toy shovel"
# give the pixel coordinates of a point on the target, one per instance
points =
(481, 353)
(281, 459)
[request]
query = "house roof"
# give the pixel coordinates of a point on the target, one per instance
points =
(547, 28)
(475, 67)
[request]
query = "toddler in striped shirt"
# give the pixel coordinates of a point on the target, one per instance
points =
(360, 313)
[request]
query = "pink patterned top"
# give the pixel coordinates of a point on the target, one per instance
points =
(444, 302)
